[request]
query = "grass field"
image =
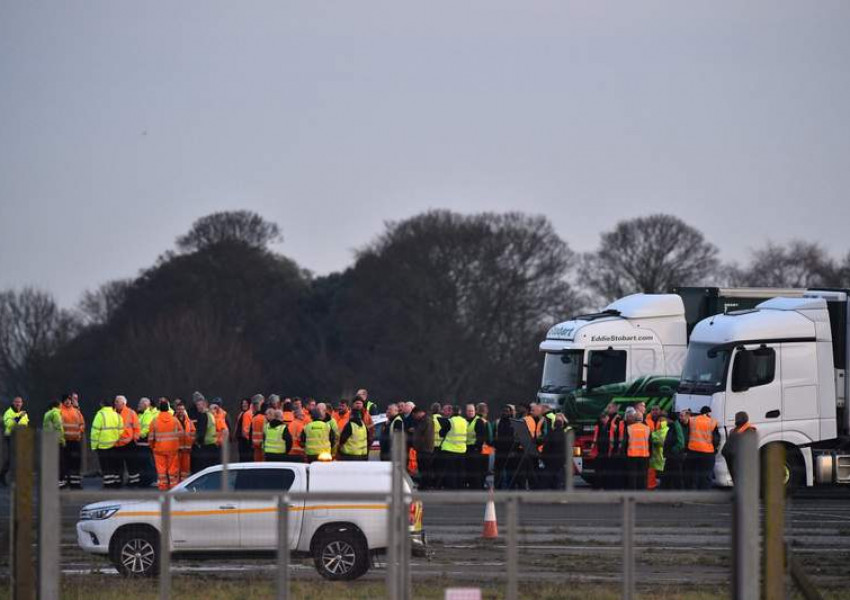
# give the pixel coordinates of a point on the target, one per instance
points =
(212, 588)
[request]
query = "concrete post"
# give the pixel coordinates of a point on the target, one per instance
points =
(165, 547)
(283, 547)
(569, 473)
(774, 522)
(745, 523)
(512, 550)
(49, 523)
(628, 548)
(23, 558)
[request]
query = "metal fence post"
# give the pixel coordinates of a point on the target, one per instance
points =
(165, 547)
(569, 479)
(745, 523)
(49, 524)
(225, 461)
(398, 563)
(628, 548)
(774, 522)
(23, 571)
(283, 547)
(512, 550)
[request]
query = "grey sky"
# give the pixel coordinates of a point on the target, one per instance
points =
(122, 122)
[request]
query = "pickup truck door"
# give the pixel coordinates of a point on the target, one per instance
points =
(203, 524)
(258, 518)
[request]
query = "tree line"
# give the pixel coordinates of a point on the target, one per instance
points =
(441, 306)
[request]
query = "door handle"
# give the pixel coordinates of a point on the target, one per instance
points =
(227, 507)
(771, 414)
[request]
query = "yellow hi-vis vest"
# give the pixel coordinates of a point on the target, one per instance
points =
(318, 434)
(211, 435)
(455, 441)
(274, 441)
(355, 445)
(437, 439)
(9, 422)
(470, 430)
(106, 428)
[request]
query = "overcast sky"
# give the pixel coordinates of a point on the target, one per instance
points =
(122, 122)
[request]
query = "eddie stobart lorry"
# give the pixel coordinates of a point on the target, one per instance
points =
(785, 363)
(634, 349)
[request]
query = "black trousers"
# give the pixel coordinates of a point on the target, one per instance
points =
(616, 478)
(553, 474)
(699, 468)
(7, 458)
(454, 470)
(425, 461)
(637, 471)
(672, 478)
(128, 457)
(475, 467)
(71, 458)
(144, 458)
(204, 456)
(109, 468)
(600, 472)
(246, 450)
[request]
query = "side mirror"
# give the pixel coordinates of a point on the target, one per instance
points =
(741, 372)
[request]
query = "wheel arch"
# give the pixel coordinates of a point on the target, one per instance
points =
(116, 535)
(338, 527)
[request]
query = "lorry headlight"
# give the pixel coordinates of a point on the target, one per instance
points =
(98, 514)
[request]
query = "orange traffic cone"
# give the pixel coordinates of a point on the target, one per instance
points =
(491, 528)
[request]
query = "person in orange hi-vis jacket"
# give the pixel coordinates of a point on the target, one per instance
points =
(187, 440)
(258, 423)
(165, 438)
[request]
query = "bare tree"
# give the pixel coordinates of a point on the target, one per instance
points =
(240, 226)
(32, 329)
(96, 307)
(798, 264)
(648, 254)
(454, 305)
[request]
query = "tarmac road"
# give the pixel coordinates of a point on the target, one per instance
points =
(571, 543)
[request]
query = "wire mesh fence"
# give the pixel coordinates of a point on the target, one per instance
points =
(549, 543)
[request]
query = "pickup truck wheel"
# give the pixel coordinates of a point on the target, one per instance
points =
(135, 553)
(340, 556)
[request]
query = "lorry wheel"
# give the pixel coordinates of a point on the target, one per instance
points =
(340, 556)
(135, 553)
(793, 472)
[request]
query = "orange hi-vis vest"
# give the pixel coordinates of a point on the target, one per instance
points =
(288, 416)
(187, 440)
(745, 427)
(638, 440)
(258, 423)
(701, 429)
(132, 430)
(73, 423)
(220, 426)
(532, 426)
(166, 434)
(295, 429)
(244, 427)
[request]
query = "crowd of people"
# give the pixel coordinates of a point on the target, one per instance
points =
(640, 450)
(446, 446)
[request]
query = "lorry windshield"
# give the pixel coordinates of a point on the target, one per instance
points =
(562, 371)
(704, 372)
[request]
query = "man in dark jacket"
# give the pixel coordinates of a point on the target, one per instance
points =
(674, 453)
(554, 455)
(422, 441)
(730, 448)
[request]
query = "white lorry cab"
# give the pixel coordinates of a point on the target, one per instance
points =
(785, 364)
(340, 536)
(637, 335)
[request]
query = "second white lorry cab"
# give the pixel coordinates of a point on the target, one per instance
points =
(785, 364)
(341, 537)
(637, 335)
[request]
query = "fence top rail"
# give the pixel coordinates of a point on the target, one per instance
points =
(437, 497)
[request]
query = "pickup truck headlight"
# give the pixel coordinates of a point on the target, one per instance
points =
(98, 514)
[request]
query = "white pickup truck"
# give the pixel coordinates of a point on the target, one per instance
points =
(342, 537)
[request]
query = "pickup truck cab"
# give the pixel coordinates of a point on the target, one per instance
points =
(341, 537)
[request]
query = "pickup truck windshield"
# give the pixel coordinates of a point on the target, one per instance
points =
(704, 372)
(562, 371)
